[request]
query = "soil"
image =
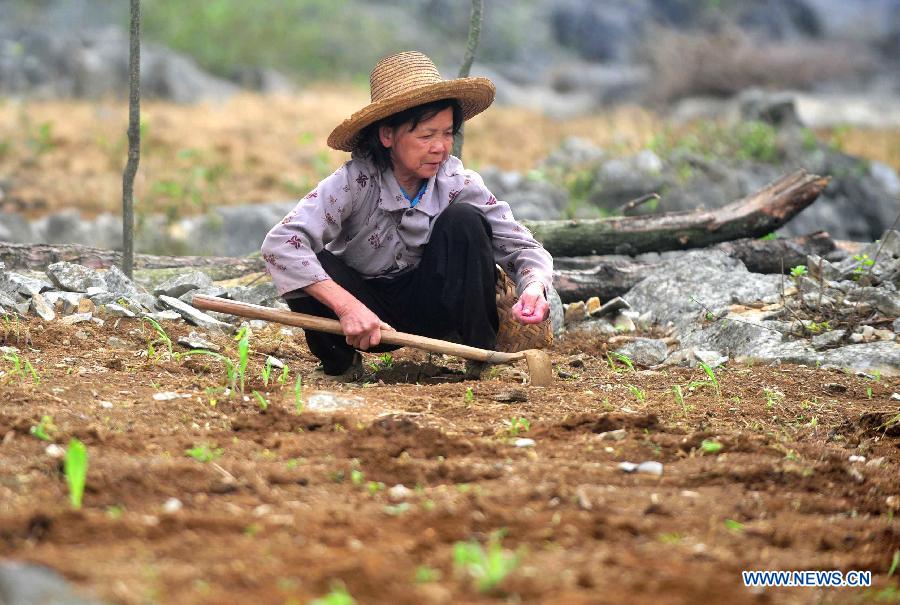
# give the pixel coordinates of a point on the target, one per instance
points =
(295, 503)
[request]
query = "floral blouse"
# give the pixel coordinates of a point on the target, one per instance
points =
(362, 217)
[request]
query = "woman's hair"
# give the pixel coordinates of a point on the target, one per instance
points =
(369, 145)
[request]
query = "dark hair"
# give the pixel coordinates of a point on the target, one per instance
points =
(369, 144)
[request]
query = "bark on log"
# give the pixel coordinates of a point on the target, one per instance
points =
(39, 256)
(753, 216)
(610, 276)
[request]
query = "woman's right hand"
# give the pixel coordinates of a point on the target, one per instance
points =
(361, 326)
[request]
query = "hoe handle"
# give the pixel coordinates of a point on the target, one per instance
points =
(321, 324)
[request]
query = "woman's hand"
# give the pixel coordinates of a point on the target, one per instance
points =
(361, 326)
(532, 307)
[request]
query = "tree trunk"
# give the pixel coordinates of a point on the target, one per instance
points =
(471, 47)
(134, 139)
(580, 278)
(754, 216)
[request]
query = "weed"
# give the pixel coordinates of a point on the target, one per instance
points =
(282, 380)
(374, 487)
(161, 339)
(612, 357)
(863, 264)
(75, 466)
(487, 567)
(679, 399)
(773, 396)
(385, 361)
(263, 404)
(337, 596)
(43, 429)
(516, 426)
(267, 371)
(710, 447)
(40, 139)
(243, 340)
(298, 394)
(799, 271)
(204, 453)
(670, 538)
(469, 397)
(425, 574)
(357, 477)
(735, 526)
(895, 561)
(638, 393)
(21, 367)
(230, 372)
(712, 377)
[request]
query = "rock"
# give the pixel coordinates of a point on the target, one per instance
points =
(42, 308)
(645, 351)
(172, 506)
(55, 451)
(882, 356)
(524, 442)
(195, 341)
(74, 278)
(611, 306)
(274, 362)
(627, 467)
(115, 310)
(557, 323)
(118, 283)
(170, 395)
(194, 316)
(161, 316)
(326, 401)
(76, 318)
(575, 312)
(27, 286)
(511, 396)
(616, 435)
(399, 493)
(624, 323)
(651, 467)
(28, 584)
(7, 301)
(592, 305)
(183, 283)
(64, 302)
(216, 291)
(115, 342)
(260, 294)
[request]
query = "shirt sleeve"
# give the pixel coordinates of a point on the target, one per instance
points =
(515, 248)
(290, 248)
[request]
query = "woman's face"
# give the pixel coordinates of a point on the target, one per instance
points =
(418, 153)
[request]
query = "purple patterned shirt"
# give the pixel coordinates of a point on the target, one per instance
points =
(362, 217)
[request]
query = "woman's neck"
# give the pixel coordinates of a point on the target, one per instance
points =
(411, 185)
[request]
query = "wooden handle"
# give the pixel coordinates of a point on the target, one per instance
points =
(331, 326)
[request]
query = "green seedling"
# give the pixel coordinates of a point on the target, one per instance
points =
(385, 361)
(204, 453)
(710, 447)
(799, 271)
(19, 365)
(638, 393)
(75, 466)
(263, 404)
(773, 396)
(337, 596)
(487, 567)
(267, 371)
(516, 426)
(679, 399)
(161, 339)
(735, 526)
(712, 377)
(425, 574)
(469, 397)
(895, 561)
(357, 477)
(864, 263)
(43, 429)
(374, 487)
(298, 394)
(282, 380)
(614, 359)
(230, 372)
(243, 340)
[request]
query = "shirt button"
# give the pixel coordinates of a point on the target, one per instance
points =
(399, 255)
(409, 212)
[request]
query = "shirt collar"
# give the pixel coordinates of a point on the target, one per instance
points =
(393, 197)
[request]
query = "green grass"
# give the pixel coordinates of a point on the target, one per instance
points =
(75, 466)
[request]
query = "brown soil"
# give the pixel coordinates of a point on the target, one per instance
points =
(287, 510)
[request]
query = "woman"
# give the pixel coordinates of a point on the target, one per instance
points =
(402, 236)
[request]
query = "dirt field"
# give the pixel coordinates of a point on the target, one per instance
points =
(293, 503)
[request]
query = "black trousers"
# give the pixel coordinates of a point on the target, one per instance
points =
(451, 291)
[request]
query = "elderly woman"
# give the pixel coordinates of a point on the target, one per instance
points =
(402, 236)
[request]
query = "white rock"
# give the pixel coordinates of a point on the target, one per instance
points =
(524, 442)
(650, 467)
(628, 467)
(275, 362)
(857, 458)
(170, 395)
(55, 451)
(399, 493)
(172, 505)
(616, 435)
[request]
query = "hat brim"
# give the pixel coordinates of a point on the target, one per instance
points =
(474, 95)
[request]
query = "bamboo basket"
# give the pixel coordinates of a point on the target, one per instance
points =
(514, 336)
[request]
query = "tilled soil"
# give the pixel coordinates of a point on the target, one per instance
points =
(757, 475)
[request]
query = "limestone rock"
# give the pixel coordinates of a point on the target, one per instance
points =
(74, 278)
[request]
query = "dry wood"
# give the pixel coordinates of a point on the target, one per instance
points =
(752, 216)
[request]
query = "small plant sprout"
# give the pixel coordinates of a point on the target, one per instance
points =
(425, 574)
(735, 526)
(337, 596)
(385, 361)
(712, 377)
(487, 567)
(20, 366)
(43, 429)
(298, 394)
(282, 380)
(75, 466)
(638, 393)
(895, 562)
(709, 446)
(243, 340)
(773, 396)
(230, 372)
(863, 264)
(204, 453)
(469, 397)
(679, 399)
(374, 487)
(161, 339)
(798, 271)
(267, 371)
(263, 404)
(517, 425)
(614, 359)
(357, 477)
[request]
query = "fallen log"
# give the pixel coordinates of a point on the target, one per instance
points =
(39, 256)
(579, 278)
(752, 216)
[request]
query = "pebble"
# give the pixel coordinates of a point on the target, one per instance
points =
(616, 435)
(9, 350)
(857, 458)
(76, 318)
(325, 401)
(876, 462)
(651, 467)
(81, 335)
(117, 343)
(510, 396)
(172, 505)
(170, 395)
(42, 308)
(399, 493)
(116, 310)
(195, 341)
(895, 396)
(106, 405)
(275, 362)
(524, 442)
(628, 467)
(55, 451)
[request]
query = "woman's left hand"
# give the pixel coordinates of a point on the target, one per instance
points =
(532, 307)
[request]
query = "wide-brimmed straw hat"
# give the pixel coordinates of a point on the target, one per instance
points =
(406, 80)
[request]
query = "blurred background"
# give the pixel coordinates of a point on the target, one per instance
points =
(599, 102)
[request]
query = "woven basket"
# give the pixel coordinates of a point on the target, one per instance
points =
(514, 336)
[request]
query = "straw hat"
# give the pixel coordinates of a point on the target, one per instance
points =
(406, 80)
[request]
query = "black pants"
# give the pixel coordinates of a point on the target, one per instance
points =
(451, 291)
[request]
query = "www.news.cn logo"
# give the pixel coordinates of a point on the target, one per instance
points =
(832, 578)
